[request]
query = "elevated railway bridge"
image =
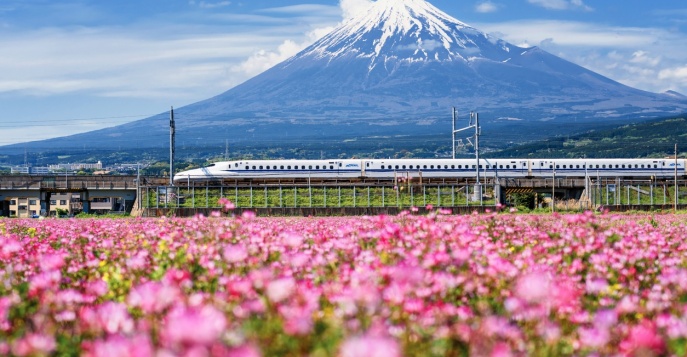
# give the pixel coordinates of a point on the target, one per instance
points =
(153, 196)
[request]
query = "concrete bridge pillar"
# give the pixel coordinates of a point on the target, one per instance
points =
(85, 200)
(45, 203)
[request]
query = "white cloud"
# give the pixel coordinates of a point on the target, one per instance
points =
(486, 7)
(209, 4)
(677, 74)
(561, 4)
(646, 58)
(350, 8)
(265, 59)
(569, 33)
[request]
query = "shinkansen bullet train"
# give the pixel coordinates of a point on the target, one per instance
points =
(431, 168)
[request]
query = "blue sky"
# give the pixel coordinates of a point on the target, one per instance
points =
(69, 66)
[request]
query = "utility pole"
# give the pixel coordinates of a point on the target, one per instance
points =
(477, 135)
(172, 135)
(553, 190)
(474, 123)
(453, 132)
(226, 149)
(676, 186)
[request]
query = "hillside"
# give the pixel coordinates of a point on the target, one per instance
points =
(656, 138)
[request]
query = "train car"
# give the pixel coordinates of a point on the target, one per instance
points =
(435, 168)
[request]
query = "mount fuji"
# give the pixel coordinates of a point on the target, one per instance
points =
(397, 70)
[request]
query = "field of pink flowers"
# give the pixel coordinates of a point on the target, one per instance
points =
(436, 285)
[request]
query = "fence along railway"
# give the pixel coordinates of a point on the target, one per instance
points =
(153, 196)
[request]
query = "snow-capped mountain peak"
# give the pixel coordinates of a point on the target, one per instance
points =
(410, 30)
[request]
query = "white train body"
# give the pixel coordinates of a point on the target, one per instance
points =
(434, 168)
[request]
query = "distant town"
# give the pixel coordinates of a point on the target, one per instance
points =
(75, 168)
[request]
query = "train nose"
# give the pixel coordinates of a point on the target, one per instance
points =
(185, 175)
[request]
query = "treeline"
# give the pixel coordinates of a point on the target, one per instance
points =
(656, 138)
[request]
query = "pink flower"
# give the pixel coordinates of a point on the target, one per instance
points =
(114, 317)
(226, 204)
(45, 281)
(9, 246)
(97, 288)
(244, 351)
(34, 345)
(110, 317)
(370, 346)
(120, 346)
(50, 262)
(643, 339)
(501, 350)
(594, 338)
(5, 304)
(189, 326)
(292, 239)
(596, 286)
(235, 253)
(534, 287)
(153, 297)
(280, 289)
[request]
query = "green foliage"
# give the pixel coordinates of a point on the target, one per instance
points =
(338, 196)
(656, 138)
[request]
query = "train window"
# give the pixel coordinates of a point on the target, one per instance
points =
(480, 166)
(247, 168)
(578, 166)
(309, 167)
(431, 167)
(642, 165)
(404, 167)
(317, 167)
(655, 166)
(289, 167)
(382, 167)
(460, 166)
(508, 166)
(236, 165)
(260, 167)
(624, 166)
(396, 167)
(331, 167)
(453, 167)
(603, 166)
(551, 166)
(367, 164)
(424, 166)
(565, 166)
(636, 166)
(410, 167)
(474, 166)
(253, 167)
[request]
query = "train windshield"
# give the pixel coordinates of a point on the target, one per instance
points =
(211, 165)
